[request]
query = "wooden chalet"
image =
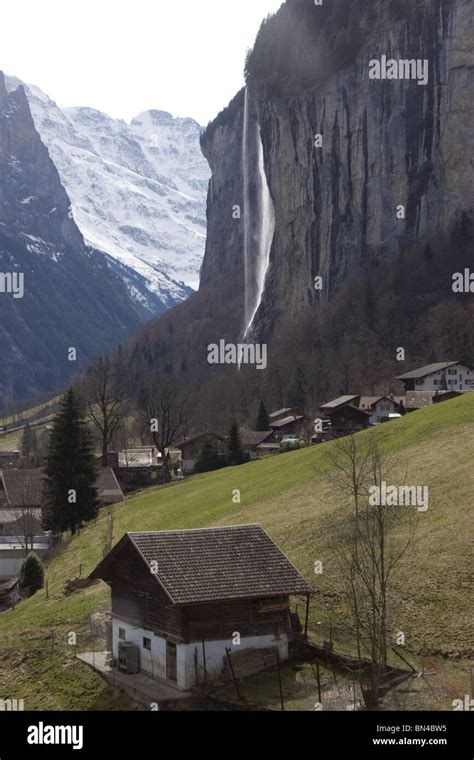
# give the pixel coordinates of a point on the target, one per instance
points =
(281, 414)
(179, 598)
(345, 416)
(288, 426)
(252, 441)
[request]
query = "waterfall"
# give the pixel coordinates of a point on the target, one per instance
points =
(259, 227)
(246, 209)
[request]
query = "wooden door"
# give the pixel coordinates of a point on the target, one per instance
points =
(171, 667)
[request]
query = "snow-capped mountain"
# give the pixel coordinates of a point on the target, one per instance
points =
(56, 292)
(137, 191)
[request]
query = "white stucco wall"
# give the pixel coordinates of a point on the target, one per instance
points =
(215, 653)
(10, 564)
(154, 662)
(459, 378)
(379, 412)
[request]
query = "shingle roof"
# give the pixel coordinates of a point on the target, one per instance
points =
(23, 487)
(198, 437)
(286, 421)
(280, 412)
(428, 369)
(108, 487)
(340, 401)
(254, 438)
(216, 564)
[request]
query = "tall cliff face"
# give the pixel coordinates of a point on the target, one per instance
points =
(385, 144)
(70, 297)
(311, 166)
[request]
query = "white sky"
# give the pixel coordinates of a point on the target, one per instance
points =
(128, 56)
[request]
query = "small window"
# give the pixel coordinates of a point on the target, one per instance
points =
(147, 644)
(122, 634)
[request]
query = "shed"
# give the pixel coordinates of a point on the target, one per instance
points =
(184, 597)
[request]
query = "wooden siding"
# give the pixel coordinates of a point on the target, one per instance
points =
(249, 617)
(138, 598)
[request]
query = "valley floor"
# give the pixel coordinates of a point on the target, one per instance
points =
(291, 496)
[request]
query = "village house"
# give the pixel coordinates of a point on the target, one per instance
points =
(190, 449)
(289, 425)
(9, 593)
(442, 376)
(20, 489)
(182, 600)
(142, 467)
(280, 414)
(13, 551)
(346, 419)
(381, 407)
(252, 441)
(20, 521)
(345, 416)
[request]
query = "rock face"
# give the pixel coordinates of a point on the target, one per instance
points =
(385, 144)
(71, 298)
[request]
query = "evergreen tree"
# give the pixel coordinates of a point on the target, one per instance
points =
(235, 454)
(263, 420)
(32, 574)
(208, 458)
(28, 444)
(69, 492)
(296, 392)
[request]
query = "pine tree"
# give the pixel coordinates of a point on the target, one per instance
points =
(235, 454)
(32, 574)
(208, 459)
(263, 420)
(69, 492)
(296, 392)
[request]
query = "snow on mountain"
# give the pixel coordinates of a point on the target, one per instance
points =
(138, 191)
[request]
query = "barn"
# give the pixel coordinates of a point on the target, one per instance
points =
(181, 599)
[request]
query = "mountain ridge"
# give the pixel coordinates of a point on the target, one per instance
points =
(149, 182)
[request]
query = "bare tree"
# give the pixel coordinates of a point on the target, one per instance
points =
(25, 517)
(368, 553)
(106, 402)
(163, 408)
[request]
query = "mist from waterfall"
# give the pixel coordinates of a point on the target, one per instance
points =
(259, 222)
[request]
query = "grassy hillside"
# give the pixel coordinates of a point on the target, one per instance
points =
(292, 497)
